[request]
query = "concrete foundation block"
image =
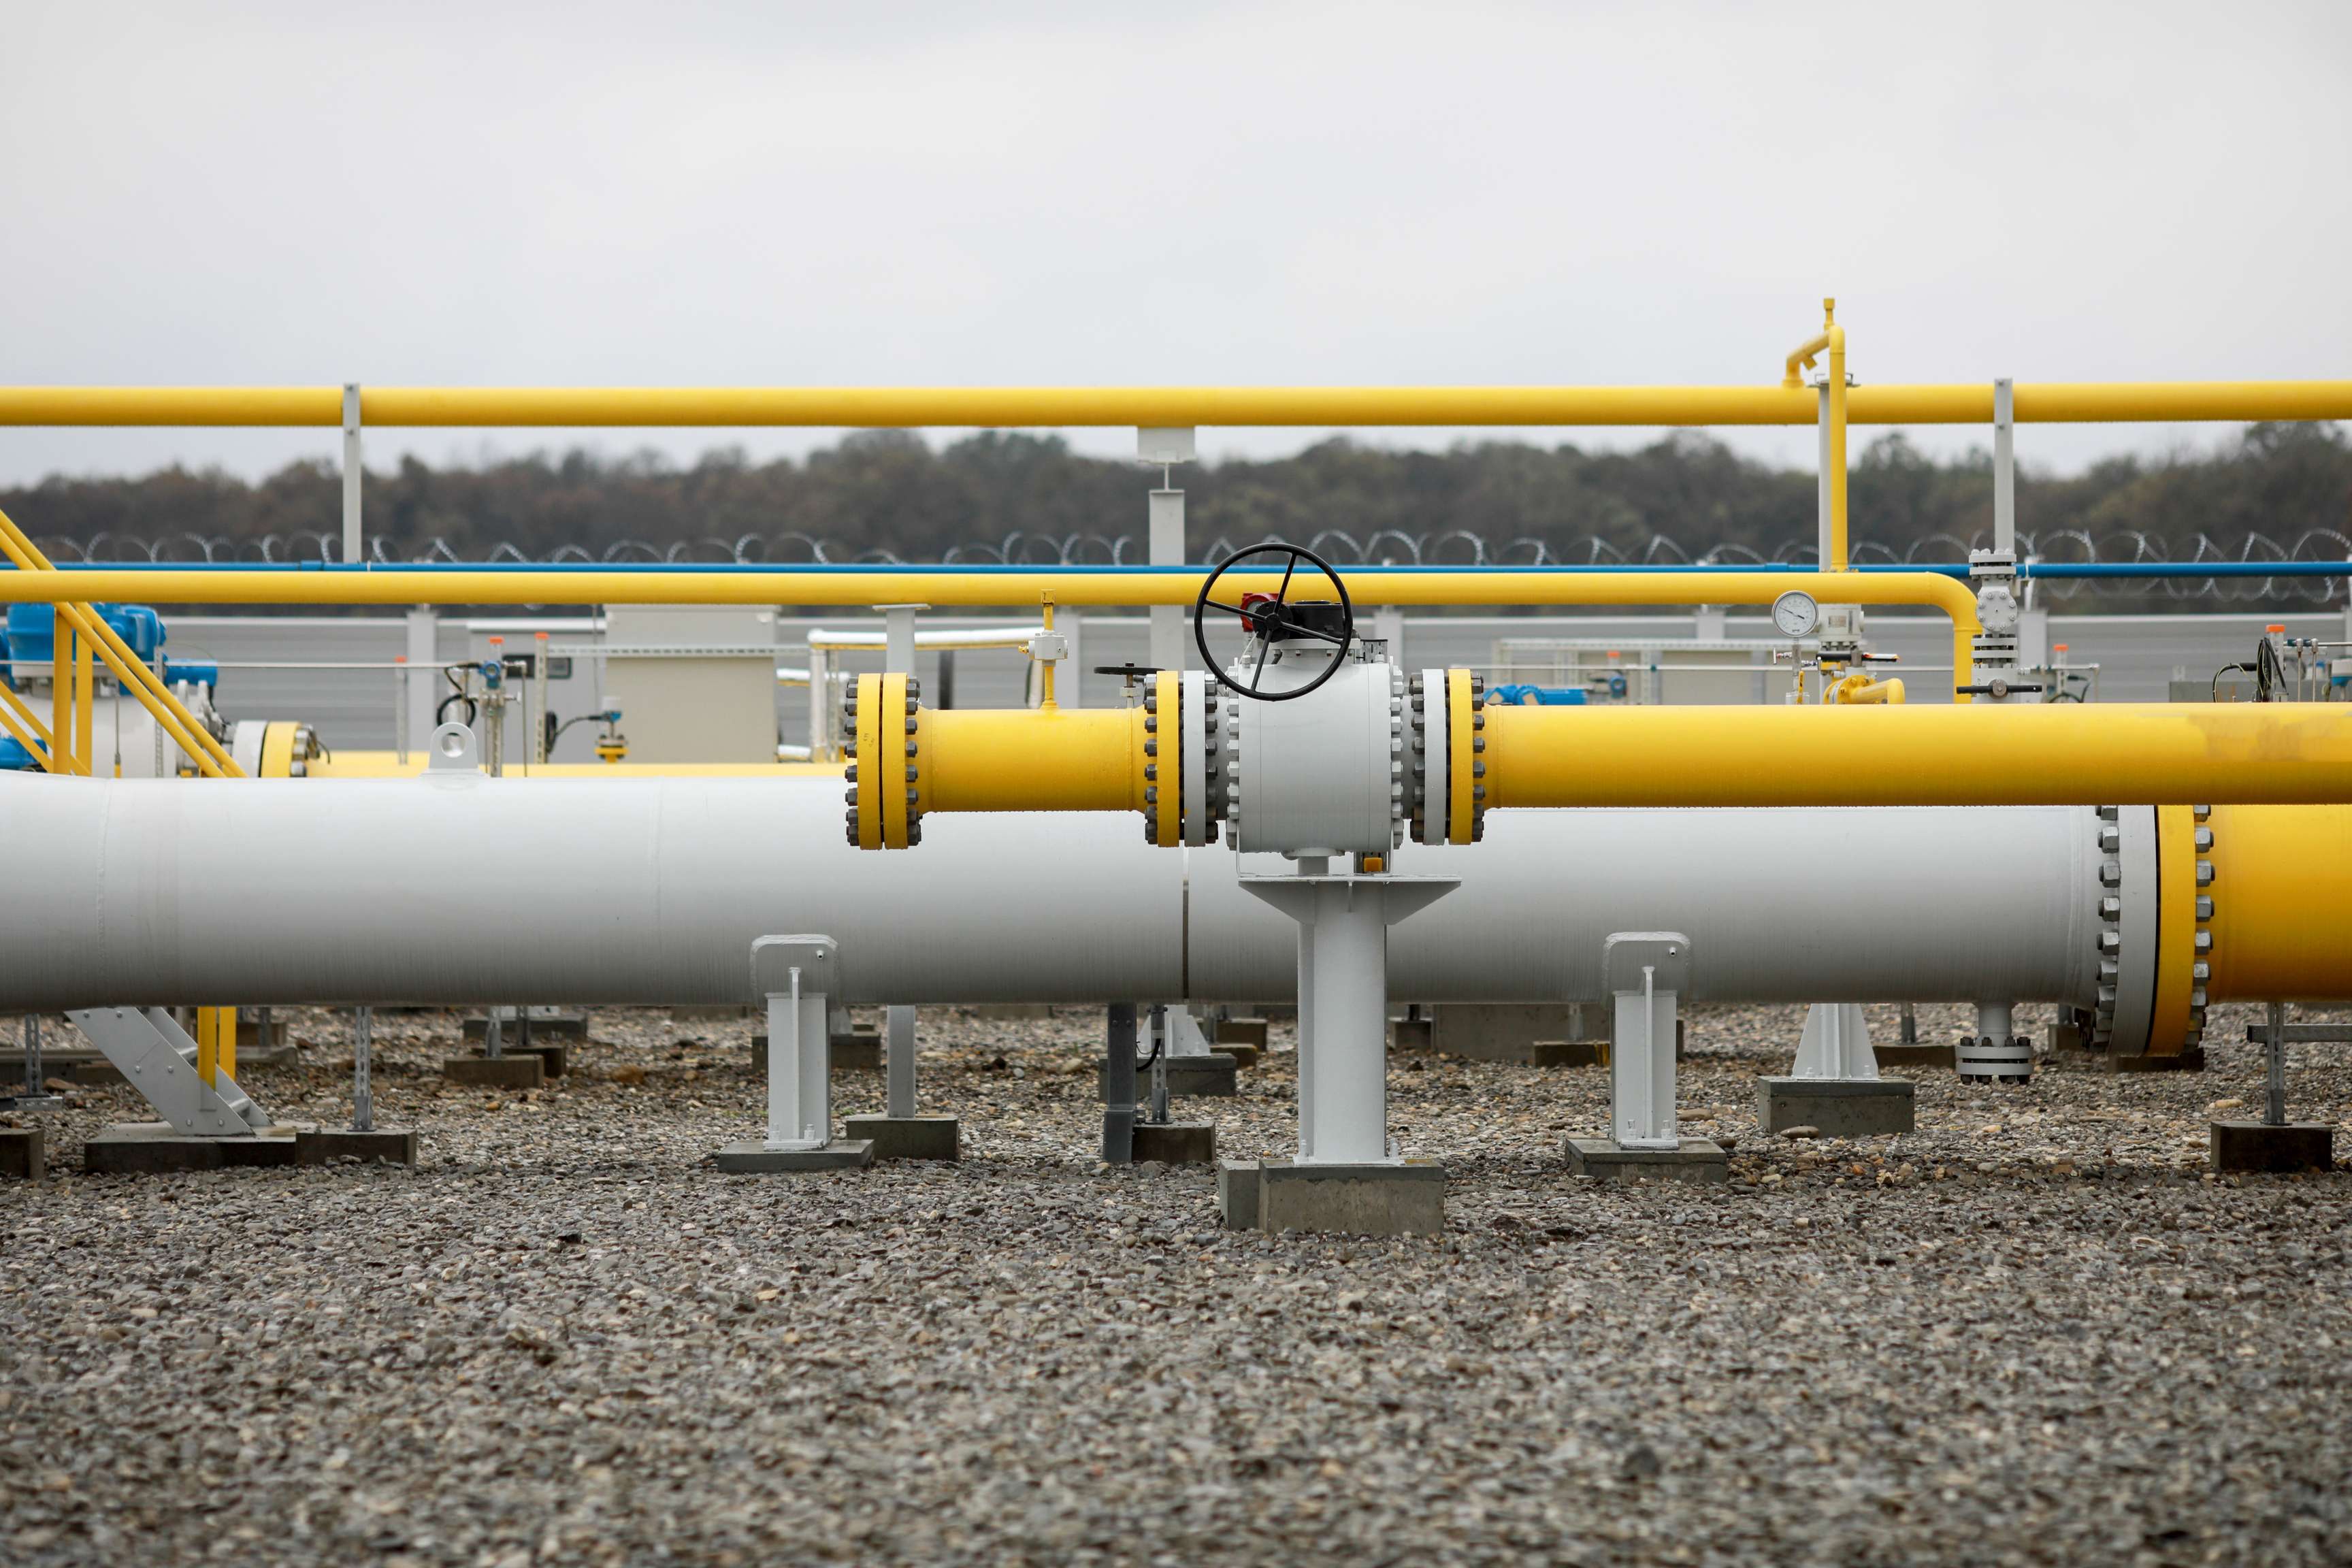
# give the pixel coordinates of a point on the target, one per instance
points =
(22, 1153)
(1237, 1194)
(908, 1137)
(2190, 1060)
(1504, 1031)
(1245, 1056)
(1211, 1075)
(1944, 1056)
(495, 1072)
(756, 1159)
(1403, 1199)
(1409, 1034)
(2258, 1146)
(1840, 1108)
(857, 1051)
(383, 1146)
(1695, 1160)
(153, 1148)
(1176, 1142)
(555, 1022)
(1250, 1032)
(554, 1060)
(1568, 1053)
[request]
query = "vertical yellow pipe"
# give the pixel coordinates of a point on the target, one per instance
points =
(1046, 680)
(207, 1046)
(85, 696)
(1837, 562)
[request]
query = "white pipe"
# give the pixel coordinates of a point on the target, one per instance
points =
(468, 890)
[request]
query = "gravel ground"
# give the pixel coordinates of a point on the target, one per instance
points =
(2035, 1331)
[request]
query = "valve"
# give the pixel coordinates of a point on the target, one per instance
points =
(1273, 618)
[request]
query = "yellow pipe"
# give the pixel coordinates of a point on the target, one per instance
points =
(85, 703)
(208, 1046)
(2281, 895)
(1032, 759)
(1004, 407)
(1838, 398)
(2055, 754)
(1926, 590)
(1860, 689)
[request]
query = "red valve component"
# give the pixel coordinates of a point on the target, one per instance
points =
(1251, 602)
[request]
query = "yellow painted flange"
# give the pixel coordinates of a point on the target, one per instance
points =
(2176, 928)
(1168, 816)
(869, 761)
(890, 766)
(1460, 811)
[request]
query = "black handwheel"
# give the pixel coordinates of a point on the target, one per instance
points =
(1273, 618)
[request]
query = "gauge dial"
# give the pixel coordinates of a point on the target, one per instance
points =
(1795, 614)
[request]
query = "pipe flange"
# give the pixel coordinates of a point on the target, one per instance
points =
(1399, 806)
(2109, 895)
(1477, 758)
(2200, 968)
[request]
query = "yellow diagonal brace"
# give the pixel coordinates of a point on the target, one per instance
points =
(25, 726)
(129, 668)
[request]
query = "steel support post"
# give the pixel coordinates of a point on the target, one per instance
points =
(362, 1088)
(1118, 1085)
(353, 473)
(898, 1061)
(2274, 1067)
(1343, 1004)
(1163, 449)
(1995, 1051)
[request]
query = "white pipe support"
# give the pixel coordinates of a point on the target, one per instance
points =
(795, 976)
(1343, 977)
(1647, 973)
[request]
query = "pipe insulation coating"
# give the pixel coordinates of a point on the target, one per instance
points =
(461, 888)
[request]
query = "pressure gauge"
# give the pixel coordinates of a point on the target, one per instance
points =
(1795, 614)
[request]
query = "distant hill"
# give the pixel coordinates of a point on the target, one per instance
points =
(2280, 489)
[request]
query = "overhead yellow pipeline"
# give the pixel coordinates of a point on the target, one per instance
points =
(1013, 408)
(1031, 759)
(2282, 894)
(2053, 754)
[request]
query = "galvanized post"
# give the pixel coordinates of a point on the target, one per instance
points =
(2275, 1067)
(494, 1045)
(400, 677)
(900, 1062)
(1159, 1063)
(362, 1086)
(351, 474)
(36, 1082)
(1118, 1086)
(2004, 469)
(1164, 538)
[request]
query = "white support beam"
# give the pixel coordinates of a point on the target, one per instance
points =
(353, 473)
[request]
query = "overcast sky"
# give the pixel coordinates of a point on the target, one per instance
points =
(587, 193)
